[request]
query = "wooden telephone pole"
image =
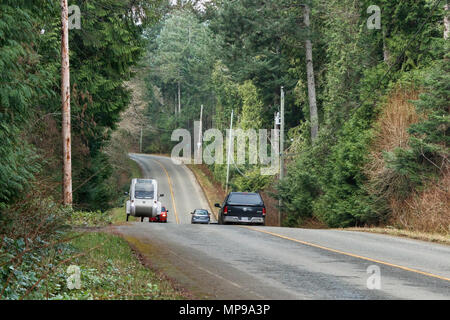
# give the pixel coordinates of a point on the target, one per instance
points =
(198, 158)
(230, 144)
(65, 99)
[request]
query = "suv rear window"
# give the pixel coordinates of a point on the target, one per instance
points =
(249, 199)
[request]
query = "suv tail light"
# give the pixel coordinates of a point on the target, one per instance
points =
(225, 210)
(264, 211)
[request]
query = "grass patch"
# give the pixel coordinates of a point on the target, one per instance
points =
(118, 215)
(110, 272)
(430, 237)
(135, 169)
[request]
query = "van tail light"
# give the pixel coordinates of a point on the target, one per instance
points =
(225, 210)
(264, 211)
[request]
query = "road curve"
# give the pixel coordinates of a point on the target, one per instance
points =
(182, 194)
(238, 262)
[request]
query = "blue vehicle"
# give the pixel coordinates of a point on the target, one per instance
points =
(200, 216)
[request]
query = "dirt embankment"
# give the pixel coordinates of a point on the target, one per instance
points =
(424, 210)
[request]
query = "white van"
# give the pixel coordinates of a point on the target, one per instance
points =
(144, 200)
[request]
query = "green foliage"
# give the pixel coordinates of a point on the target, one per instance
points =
(22, 80)
(182, 49)
(102, 53)
(252, 107)
(109, 270)
(227, 95)
(327, 180)
(260, 46)
(253, 181)
(32, 238)
(31, 267)
(254, 40)
(181, 59)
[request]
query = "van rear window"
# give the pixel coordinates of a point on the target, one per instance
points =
(245, 199)
(144, 191)
(144, 187)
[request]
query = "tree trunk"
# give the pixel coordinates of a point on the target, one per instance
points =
(311, 82)
(65, 99)
(446, 22)
(175, 104)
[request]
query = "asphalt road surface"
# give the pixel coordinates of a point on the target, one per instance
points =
(245, 262)
(182, 194)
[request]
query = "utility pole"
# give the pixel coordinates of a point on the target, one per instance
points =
(179, 97)
(311, 82)
(276, 140)
(282, 136)
(280, 204)
(229, 152)
(276, 127)
(200, 136)
(65, 99)
(140, 142)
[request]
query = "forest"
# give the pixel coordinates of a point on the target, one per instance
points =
(33, 220)
(380, 96)
(366, 144)
(366, 86)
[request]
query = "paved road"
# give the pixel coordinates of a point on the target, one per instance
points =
(236, 262)
(182, 194)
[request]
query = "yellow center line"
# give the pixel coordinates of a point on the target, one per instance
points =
(350, 254)
(171, 190)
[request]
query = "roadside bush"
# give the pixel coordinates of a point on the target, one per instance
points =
(427, 153)
(253, 181)
(298, 191)
(32, 242)
(109, 270)
(90, 218)
(411, 179)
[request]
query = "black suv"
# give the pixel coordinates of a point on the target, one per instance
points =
(242, 207)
